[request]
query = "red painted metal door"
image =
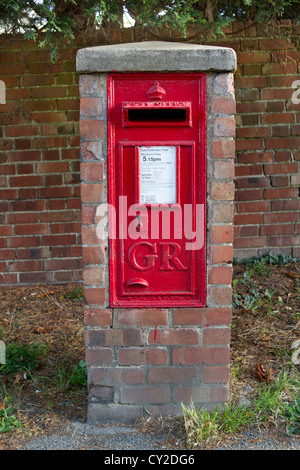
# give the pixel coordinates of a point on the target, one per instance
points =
(157, 189)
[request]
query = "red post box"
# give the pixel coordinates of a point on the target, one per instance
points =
(157, 189)
(157, 289)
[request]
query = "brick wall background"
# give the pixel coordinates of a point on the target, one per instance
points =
(40, 210)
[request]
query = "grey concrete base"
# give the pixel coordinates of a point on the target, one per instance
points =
(112, 413)
(155, 56)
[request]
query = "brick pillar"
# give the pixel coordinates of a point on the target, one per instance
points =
(154, 359)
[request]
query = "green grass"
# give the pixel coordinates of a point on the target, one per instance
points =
(9, 417)
(20, 357)
(278, 401)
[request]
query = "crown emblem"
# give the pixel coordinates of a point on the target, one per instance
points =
(156, 92)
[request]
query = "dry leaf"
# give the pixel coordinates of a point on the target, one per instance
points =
(261, 373)
(292, 275)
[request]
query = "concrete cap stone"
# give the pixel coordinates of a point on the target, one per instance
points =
(155, 56)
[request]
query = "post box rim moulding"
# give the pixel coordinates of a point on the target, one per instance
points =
(156, 56)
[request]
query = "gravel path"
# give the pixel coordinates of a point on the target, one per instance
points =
(78, 436)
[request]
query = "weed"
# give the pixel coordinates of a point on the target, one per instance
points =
(8, 414)
(200, 425)
(260, 262)
(21, 357)
(77, 294)
(78, 376)
(66, 378)
(270, 403)
(293, 416)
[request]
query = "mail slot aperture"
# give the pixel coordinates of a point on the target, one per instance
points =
(157, 113)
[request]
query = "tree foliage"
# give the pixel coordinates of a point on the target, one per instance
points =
(53, 22)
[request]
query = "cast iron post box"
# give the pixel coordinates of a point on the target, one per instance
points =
(157, 134)
(157, 184)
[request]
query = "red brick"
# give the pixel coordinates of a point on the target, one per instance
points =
(288, 205)
(222, 191)
(132, 356)
(94, 296)
(188, 394)
(219, 394)
(275, 218)
(97, 317)
(57, 216)
(31, 229)
(262, 206)
(59, 240)
(144, 395)
(172, 374)
(93, 255)
(221, 295)
(221, 234)
(93, 276)
(255, 57)
(91, 171)
(249, 231)
(19, 131)
(224, 127)
(276, 229)
(223, 148)
(255, 157)
(280, 193)
(224, 170)
(142, 317)
(92, 192)
(56, 192)
(113, 375)
(173, 336)
(113, 337)
(215, 374)
(49, 142)
(250, 144)
(202, 316)
(221, 254)
(205, 355)
(92, 129)
(55, 167)
(220, 275)
(99, 356)
(60, 264)
(279, 181)
(7, 254)
(91, 106)
(31, 253)
(22, 217)
(26, 266)
(253, 194)
(249, 242)
(282, 143)
(36, 277)
(7, 279)
(223, 213)
(15, 242)
(279, 168)
(89, 235)
(252, 182)
(223, 106)
(282, 240)
(216, 336)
